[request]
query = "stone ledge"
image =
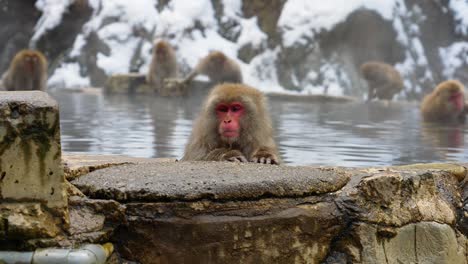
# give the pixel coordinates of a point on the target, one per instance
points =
(212, 180)
(216, 212)
(75, 165)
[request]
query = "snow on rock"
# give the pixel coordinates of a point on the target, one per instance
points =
(52, 12)
(460, 10)
(68, 75)
(302, 19)
(456, 55)
(128, 29)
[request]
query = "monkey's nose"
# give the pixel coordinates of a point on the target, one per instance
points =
(227, 121)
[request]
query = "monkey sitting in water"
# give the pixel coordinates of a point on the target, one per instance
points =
(383, 79)
(217, 66)
(233, 125)
(27, 71)
(163, 66)
(445, 104)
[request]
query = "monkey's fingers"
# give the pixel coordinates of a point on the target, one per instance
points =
(242, 159)
(265, 160)
(237, 159)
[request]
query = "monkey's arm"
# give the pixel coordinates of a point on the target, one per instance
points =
(265, 155)
(223, 154)
(5, 82)
(191, 76)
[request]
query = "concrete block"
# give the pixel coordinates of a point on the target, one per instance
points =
(30, 154)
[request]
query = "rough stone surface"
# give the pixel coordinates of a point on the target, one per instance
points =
(215, 212)
(27, 221)
(131, 83)
(424, 242)
(75, 165)
(265, 231)
(30, 158)
(212, 180)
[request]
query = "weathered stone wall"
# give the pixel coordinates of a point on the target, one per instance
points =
(214, 212)
(32, 184)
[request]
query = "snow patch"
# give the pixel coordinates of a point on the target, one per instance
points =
(460, 10)
(300, 20)
(52, 12)
(68, 76)
(455, 56)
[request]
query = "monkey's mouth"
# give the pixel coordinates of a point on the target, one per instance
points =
(230, 133)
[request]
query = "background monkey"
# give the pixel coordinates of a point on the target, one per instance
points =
(383, 79)
(163, 66)
(218, 67)
(445, 104)
(27, 71)
(233, 125)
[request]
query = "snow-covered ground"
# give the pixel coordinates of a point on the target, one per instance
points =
(300, 21)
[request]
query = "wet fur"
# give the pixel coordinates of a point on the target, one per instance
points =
(384, 80)
(256, 130)
(19, 76)
(436, 106)
(219, 68)
(163, 65)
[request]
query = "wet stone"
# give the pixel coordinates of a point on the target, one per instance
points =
(212, 180)
(30, 162)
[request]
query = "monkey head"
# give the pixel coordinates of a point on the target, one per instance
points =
(216, 59)
(30, 60)
(235, 114)
(233, 125)
(161, 48)
(452, 92)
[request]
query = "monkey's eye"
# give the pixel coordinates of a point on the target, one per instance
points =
(222, 108)
(236, 107)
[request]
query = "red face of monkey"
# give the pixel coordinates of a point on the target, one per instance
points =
(229, 115)
(457, 99)
(30, 62)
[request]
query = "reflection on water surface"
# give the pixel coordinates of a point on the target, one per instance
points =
(344, 134)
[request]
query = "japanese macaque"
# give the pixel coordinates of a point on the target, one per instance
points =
(383, 80)
(445, 104)
(163, 66)
(233, 125)
(27, 71)
(218, 67)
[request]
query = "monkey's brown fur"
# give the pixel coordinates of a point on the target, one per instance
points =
(255, 143)
(27, 71)
(218, 67)
(383, 79)
(437, 107)
(163, 66)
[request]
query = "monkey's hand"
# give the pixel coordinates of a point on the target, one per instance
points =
(233, 155)
(224, 154)
(264, 156)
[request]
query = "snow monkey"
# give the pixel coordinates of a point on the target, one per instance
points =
(383, 79)
(27, 71)
(445, 104)
(163, 66)
(218, 67)
(233, 125)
